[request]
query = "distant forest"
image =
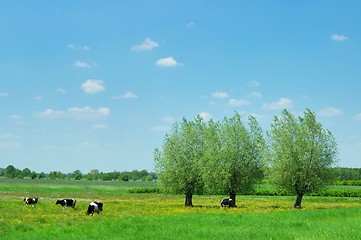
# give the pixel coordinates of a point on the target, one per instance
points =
(342, 175)
(135, 175)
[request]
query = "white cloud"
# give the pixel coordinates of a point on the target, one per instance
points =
(220, 95)
(256, 94)
(205, 116)
(93, 86)
(126, 95)
(167, 62)
(338, 37)
(78, 47)
(4, 94)
(283, 103)
(82, 64)
(357, 117)
(129, 95)
(50, 113)
(84, 113)
(238, 102)
(330, 112)
(147, 45)
(254, 83)
(88, 113)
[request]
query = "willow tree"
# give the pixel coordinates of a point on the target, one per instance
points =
(302, 154)
(178, 164)
(232, 160)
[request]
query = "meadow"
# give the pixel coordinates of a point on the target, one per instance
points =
(163, 216)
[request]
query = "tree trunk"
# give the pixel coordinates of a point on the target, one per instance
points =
(232, 196)
(188, 202)
(298, 201)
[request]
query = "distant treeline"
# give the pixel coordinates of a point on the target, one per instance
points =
(342, 176)
(135, 175)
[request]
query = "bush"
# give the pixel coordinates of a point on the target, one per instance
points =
(147, 190)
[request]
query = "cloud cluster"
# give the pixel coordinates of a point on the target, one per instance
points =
(84, 113)
(282, 103)
(206, 116)
(83, 64)
(238, 102)
(147, 45)
(256, 94)
(168, 62)
(221, 95)
(330, 112)
(78, 47)
(339, 37)
(93, 86)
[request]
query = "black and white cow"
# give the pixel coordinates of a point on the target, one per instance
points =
(31, 201)
(227, 202)
(66, 203)
(94, 207)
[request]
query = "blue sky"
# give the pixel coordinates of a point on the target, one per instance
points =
(97, 84)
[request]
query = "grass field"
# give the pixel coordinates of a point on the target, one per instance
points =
(163, 216)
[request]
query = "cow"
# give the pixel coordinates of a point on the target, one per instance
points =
(31, 201)
(227, 202)
(66, 203)
(94, 207)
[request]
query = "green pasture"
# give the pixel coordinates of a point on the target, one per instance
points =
(163, 216)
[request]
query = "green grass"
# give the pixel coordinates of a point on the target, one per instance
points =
(163, 216)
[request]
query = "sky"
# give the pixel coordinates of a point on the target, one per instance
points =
(97, 84)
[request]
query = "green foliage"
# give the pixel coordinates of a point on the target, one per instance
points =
(232, 158)
(348, 182)
(146, 190)
(213, 157)
(178, 165)
(135, 175)
(342, 173)
(302, 153)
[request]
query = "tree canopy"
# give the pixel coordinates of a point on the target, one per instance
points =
(301, 154)
(215, 157)
(178, 163)
(232, 159)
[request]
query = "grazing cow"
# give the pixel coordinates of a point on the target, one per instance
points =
(94, 207)
(31, 201)
(227, 202)
(66, 203)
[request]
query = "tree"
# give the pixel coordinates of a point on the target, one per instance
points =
(26, 172)
(33, 175)
(42, 175)
(93, 175)
(302, 154)
(178, 164)
(56, 175)
(77, 175)
(232, 161)
(10, 171)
